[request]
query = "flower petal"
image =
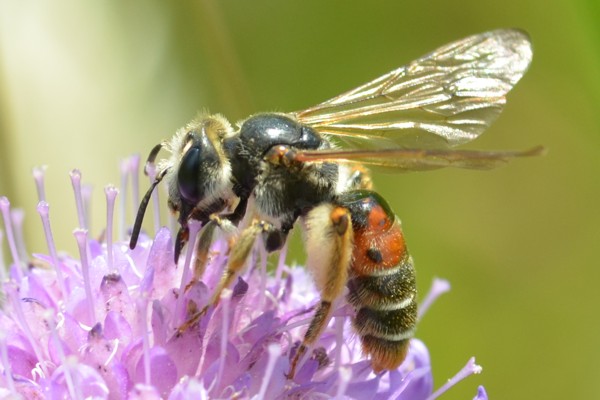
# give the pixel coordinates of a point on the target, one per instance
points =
(163, 375)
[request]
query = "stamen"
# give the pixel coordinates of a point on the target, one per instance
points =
(404, 382)
(194, 228)
(81, 235)
(70, 365)
(274, 353)
(86, 196)
(345, 375)
(44, 210)
(6, 365)
(38, 175)
(5, 209)
(262, 273)
(339, 340)
(76, 182)
(142, 306)
(147, 283)
(17, 216)
(225, 299)
(281, 262)
(481, 394)
(113, 353)
(2, 265)
(172, 223)
(122, 202)
(15, 300)
(272, 299)
(296, 324)
(49, 319)
(134, 168)
(438, 288)
(469, 369)
(111, 193)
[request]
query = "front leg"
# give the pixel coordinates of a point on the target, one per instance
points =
(329, 248)
(187, 212)
(226, 223)
(205, 241)
(238, 256)
(237, 259)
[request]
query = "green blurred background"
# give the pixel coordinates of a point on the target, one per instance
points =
(84, 84)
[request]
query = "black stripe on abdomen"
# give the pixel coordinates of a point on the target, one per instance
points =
(385, 290)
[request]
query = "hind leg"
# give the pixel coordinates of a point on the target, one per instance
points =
(329, 248)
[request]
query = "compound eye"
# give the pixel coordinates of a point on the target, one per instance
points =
(188, 174)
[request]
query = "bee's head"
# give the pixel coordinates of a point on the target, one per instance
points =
(198, 173)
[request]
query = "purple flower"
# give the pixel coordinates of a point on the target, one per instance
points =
(105, 325)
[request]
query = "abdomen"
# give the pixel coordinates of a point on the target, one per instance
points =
(382, 280)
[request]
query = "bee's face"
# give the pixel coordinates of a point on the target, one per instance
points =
(199, 171)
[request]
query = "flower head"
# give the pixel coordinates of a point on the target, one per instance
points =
(106, 325)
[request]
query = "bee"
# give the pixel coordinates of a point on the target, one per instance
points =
(276, 169)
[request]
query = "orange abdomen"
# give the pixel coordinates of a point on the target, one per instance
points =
(381, 284)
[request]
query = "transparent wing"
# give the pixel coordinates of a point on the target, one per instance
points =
(445, 98)
(403, 160)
